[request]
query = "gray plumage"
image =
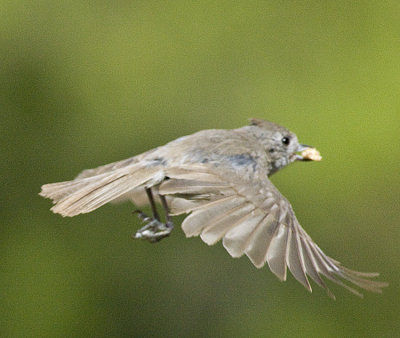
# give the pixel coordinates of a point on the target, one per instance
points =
(220, 178)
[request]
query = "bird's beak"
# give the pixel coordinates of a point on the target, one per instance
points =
(300, 149)
(303, 147)
(308, 153)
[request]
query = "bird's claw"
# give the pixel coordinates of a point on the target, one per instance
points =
(154, 231)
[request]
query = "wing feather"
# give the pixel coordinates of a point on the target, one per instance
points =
(260, 241)
(296, 261)
(216, 229)
(200, 217)
(312, 266)
(236, 239)
(276, 255)
(252, 217)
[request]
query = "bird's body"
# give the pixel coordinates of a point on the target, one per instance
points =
(220, 178)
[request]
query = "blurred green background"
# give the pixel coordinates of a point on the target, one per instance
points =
(84, 83)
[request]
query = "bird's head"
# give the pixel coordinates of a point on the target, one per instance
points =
(281, 145)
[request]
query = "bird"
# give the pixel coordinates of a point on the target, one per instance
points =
(220, 179)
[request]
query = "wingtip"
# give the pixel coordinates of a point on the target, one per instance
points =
(330, 294)
(307, 286)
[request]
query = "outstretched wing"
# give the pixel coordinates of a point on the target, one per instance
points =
(253, 218)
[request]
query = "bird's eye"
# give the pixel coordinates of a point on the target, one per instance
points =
(286, 141)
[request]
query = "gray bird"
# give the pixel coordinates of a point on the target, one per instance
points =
(221, 179)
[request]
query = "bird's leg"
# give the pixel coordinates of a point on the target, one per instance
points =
(169, 224)
(154, 230)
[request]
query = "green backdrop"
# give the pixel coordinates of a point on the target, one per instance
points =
(84, 83)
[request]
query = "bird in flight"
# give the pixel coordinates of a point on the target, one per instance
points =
(220, 178)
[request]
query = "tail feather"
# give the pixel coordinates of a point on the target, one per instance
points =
(87, 194)
(107, 168)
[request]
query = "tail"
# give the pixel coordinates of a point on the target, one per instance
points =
(85, 194)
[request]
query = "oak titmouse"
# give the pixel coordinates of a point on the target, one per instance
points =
(220, 178)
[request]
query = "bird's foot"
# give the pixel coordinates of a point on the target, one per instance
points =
(154, 230)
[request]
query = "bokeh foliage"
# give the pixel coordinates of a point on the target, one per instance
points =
(85, 83)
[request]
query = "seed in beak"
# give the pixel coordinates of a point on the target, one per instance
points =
(311, 154)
